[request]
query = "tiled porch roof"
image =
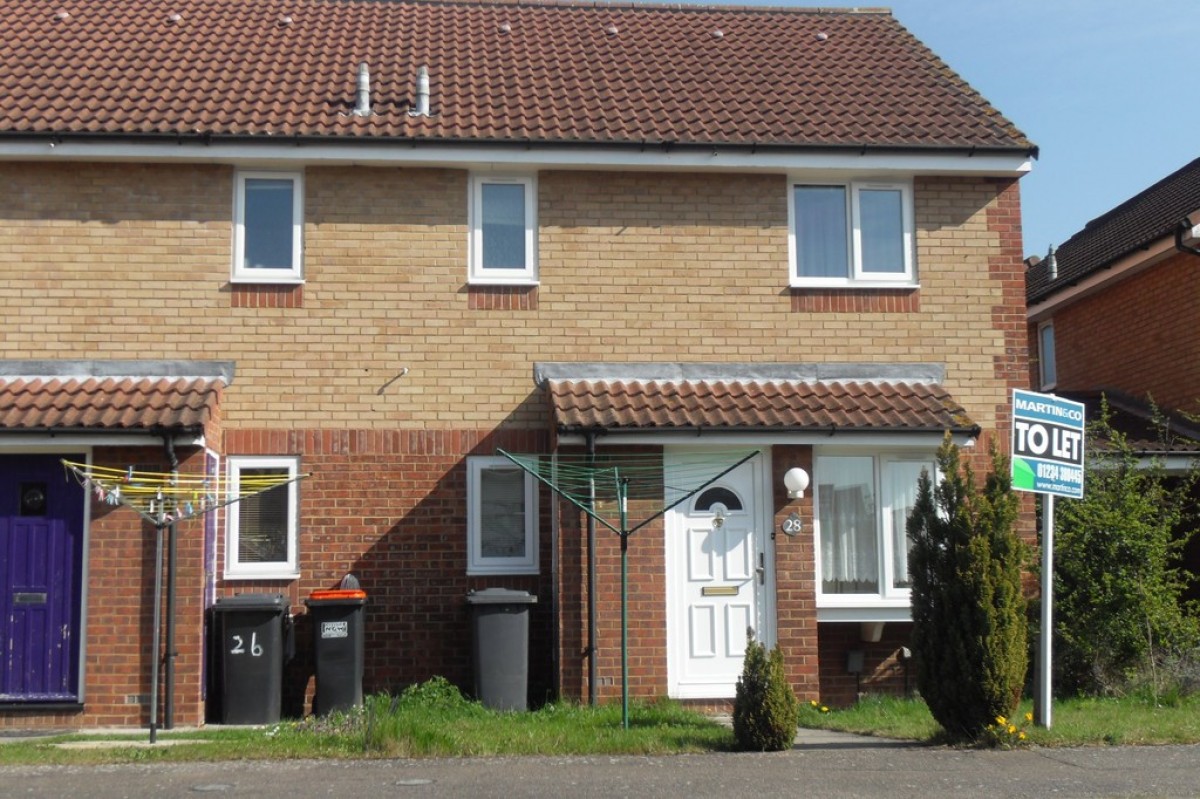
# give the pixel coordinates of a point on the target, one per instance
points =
(1134, 418)
(755, 406)
(31, 401)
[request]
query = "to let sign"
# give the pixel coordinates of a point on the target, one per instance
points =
(1047, 444)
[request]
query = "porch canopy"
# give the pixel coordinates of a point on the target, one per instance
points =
(66, 403)
(1149, 431)
(700, 398)
(119, 396)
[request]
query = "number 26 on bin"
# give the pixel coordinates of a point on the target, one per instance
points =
(239, 645)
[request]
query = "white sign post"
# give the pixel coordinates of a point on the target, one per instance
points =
(1047, 459)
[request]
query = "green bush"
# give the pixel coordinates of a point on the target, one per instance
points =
(969, 623)
(765, 709)
(1120, 622)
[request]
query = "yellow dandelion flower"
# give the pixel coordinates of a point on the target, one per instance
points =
(1001, 720)
(824, 709)
(814, 702)
(1011, 729)
(1021, 737)
(1029, 717)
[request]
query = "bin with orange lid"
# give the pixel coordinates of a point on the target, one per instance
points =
(338, 651)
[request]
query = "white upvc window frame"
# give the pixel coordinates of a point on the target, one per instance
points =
(477, 273)
(888, 595)
(277, 570)
(858, 277)
(1047, 367)
(477, 562)
(247, 274)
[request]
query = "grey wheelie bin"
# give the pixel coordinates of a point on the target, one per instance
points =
(500, 634)
(251, 632)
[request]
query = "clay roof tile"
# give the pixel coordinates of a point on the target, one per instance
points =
(634, 405)
(547, 72)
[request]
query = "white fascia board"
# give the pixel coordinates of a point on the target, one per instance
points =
(47, 442)
(297, 153)
(1172, 464)
(711, 438)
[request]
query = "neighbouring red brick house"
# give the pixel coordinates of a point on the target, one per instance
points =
(1112, 314)
(1111, 309)
(375, 242)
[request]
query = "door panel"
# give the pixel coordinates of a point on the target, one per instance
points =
(738, 620)
(703, 633)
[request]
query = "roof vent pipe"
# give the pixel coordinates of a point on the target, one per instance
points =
(362, 101)
(422, 106)
(1052, 263)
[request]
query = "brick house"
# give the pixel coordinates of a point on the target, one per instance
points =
(1088, 305)
(376, 242)
(1090, 311)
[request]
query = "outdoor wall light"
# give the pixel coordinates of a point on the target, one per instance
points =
(795, 480)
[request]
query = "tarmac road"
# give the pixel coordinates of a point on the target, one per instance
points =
(825, 765)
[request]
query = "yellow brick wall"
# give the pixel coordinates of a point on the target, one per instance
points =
(133, 261)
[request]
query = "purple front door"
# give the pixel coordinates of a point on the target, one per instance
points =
(41, 536)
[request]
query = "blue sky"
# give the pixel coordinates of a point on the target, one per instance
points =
(1107, 89)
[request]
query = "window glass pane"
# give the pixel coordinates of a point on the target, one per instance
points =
(502, 220)
(712, 496)
(263, 521)
(900, 485)
(846, 511)
(1046, 356)
(882, 219)
(268, 223)
(502, 513)
(821, 249)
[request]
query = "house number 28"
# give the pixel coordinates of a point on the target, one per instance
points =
(239, 645)
(792, 524)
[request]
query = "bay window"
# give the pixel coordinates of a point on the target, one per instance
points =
(862, 507)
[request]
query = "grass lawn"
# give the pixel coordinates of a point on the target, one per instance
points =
(433, 720)
(1074, 722)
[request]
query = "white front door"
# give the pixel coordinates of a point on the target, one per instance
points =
(718, 575)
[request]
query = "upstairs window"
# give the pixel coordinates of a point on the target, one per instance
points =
(1047, 365)
(503, 245)
(268, 225)
(501, 518)
(851, 234)
(262, 529)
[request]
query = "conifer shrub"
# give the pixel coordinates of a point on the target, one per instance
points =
(765, 709)
(969, 622)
